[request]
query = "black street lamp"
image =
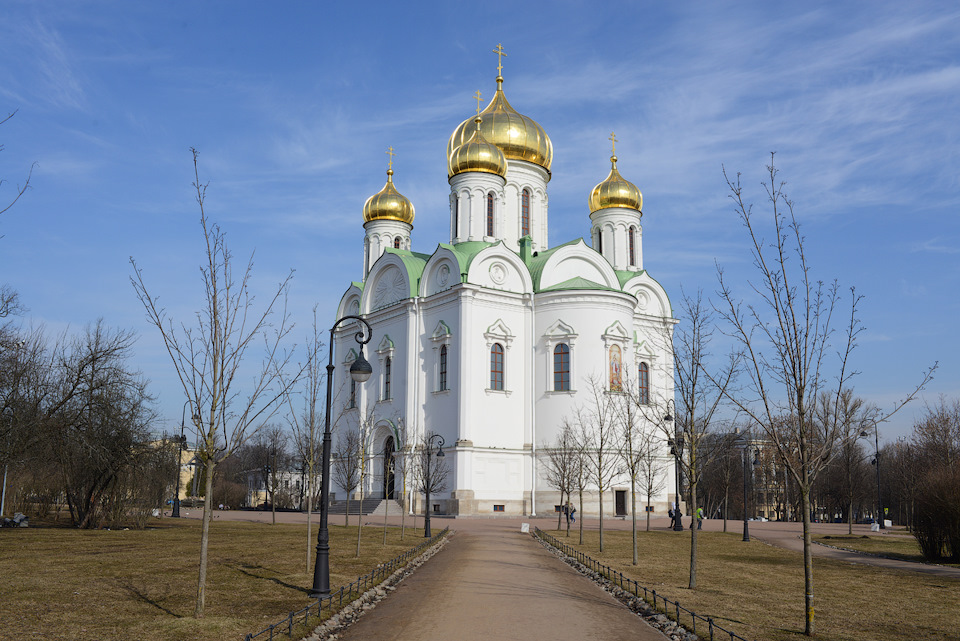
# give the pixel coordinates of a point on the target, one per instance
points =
(360, 372)
(426, 509)
(181, 443)
(747, 471)
(676, 448)
(876, 462)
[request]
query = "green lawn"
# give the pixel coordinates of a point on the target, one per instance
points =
(756, 590)
(141, 584)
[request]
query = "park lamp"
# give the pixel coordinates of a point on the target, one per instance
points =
(361, 370)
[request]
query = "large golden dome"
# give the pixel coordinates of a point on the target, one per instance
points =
(388, 204)
(517, 136)
(615, 191)
(477, 155)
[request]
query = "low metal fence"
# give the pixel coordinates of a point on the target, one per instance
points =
(345, 593)
(670, 608)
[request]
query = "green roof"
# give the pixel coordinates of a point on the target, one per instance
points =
(466, 252)
(414, 262)
(539, 261)
(578, 283)
(624, 275)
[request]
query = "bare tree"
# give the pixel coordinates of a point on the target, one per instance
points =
(346, 466)
(638, 452)
(651, 468)
(597, 431)
(214, 356)
(429, 470)
(560, 461)
(306, 423)
(787, 332)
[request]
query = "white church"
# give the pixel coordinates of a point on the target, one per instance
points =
(491, 340)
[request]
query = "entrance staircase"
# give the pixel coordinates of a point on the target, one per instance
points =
(365, 507)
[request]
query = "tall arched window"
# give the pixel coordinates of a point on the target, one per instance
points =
(456, 217)
(644, 378)
(490, 214)
(600, 241)
(443, 367)
(561, 368)
(496, 366)
(396, 243)
(353, 394)
(633, 251)
(525, 213)
(387, 366)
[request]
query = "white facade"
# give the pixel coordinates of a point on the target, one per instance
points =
(440, 322)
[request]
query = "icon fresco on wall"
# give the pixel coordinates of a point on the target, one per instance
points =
(616, 376)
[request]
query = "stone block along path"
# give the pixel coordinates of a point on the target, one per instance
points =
(497, 583)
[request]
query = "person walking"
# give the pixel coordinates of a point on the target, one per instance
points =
(699, 518)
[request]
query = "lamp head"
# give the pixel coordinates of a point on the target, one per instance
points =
(361, 370)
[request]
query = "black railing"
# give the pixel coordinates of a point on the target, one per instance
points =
(670, 608)
(345, 593)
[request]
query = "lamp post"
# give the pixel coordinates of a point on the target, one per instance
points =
(676, 448)
(876, 462)
(426, 481)
(747, 471)
(360, 372)
(181, 443)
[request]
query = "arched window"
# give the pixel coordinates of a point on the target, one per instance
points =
(386, 377)
(644, 378)
(633, 251)
(456, 217)
(443, 367)
(353, 394)
(496, 366)
(525, 213)
(561, 368)
(396, 243)
(490, 214)
(600, 241)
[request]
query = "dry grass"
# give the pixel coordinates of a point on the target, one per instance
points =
(896, 547)
(757, 590)
(130, 584)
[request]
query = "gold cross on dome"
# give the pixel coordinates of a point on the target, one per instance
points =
(477, 94)
(613, 143)
(390, 153)
(501, 54)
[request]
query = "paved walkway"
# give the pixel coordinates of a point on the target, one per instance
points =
(493, 582)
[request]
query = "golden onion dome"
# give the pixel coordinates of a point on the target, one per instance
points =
(388, 204)
(517, 136)
(615, 191)
(477, 155)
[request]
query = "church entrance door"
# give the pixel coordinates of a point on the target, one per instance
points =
(389, 482)
(621, 502)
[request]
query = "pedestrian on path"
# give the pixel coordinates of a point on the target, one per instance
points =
(699, 518)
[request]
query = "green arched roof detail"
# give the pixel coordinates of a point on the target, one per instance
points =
(579, 283)
(414, 262)
(538, 262)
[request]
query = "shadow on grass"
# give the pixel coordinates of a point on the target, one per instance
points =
(140, 595)
(246, 568)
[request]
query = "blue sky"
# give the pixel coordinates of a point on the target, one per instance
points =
(293, 106)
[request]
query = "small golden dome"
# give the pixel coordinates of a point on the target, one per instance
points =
(388, 204)
(517, 136)
(476, 155)
(615, 191)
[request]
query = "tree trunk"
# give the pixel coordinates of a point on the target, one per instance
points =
(581, 516)
(807, 558)
(648, 512)
(601, 521)
(633, 513)
(204, 541)
(309, 511)
(850, 513)
(563, 509)
(360, 517)
(694, 526)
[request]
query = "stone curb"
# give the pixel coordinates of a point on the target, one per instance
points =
(330, 629)
(637, 605)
